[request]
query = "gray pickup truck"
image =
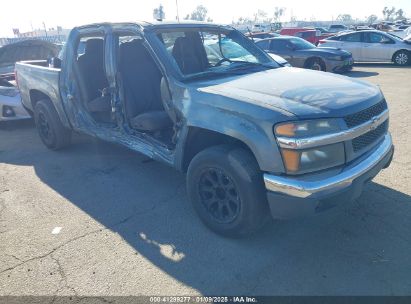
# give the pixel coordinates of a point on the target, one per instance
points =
(254, 137)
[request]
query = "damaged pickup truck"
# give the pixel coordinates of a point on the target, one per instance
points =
(255, 138)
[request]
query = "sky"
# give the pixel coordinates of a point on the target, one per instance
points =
(28, 14)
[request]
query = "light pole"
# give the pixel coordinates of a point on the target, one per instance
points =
(178, 16)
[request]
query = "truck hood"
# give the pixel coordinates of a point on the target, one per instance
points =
(304, 93)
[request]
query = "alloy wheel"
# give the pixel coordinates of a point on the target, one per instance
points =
(316, 66)
(44, 127)
(219, 195)
(401, 58)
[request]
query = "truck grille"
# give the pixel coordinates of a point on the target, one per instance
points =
(358, 118)
(370, 137)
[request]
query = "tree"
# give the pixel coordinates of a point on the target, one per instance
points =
(278, 13)
(346, 18)
(199, 14)
(400, 14)
(388, 13)
(158, 13)
(261, 16)
(371, 19)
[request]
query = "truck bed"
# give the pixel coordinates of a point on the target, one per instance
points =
(35, 77)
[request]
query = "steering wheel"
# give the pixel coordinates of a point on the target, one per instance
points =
(221, 61)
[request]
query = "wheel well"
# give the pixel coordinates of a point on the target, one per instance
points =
(310, 59)
(199, 139)
(402, 50)
(36, 96)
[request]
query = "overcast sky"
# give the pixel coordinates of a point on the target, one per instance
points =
(25, 14)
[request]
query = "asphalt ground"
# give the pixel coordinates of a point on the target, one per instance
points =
(99, 220)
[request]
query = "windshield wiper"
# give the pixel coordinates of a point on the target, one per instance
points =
(242, 65)
(247, 64)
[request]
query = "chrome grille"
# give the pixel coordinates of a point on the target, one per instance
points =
(365, 115)
(370, 137)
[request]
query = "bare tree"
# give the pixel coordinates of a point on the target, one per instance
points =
(158, 13)
(400, 15)
(388, 13)
(371, 19)
(278, 13)
(346, 18)
(261, 16)
(199, 14)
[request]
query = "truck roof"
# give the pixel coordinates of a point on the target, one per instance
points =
(158, 24)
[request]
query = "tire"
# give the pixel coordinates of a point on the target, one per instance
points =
(401, 58)
(315, 64)
(51, 131)
(225, 186)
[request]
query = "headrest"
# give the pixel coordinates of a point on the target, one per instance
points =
(94, 46)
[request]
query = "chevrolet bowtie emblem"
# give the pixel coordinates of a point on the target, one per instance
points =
(374, 122)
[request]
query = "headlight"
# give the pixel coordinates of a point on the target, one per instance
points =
(304, 161)
(298, 161)
(307, 128)
(335, 58)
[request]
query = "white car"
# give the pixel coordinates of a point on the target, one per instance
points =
(11, 107)
(372, 46)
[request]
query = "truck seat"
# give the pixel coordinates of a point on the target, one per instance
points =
(141, 82)
(189, 53)
(91, 65)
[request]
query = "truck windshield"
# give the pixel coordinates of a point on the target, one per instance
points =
(213, 52)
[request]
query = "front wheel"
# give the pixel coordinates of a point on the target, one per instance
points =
(226, 188)
(401, 58)
(315, 64)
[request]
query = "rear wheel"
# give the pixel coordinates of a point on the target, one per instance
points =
(315, 64)
(225, 186)
(51, 131)
(401, 58)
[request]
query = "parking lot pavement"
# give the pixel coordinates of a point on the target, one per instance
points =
(97, 219)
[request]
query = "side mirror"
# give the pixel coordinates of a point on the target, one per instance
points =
(55, 62)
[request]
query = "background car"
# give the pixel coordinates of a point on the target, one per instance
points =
(301, 53)
(335, 28)
(11, 107)
(10, 101)
(261, 35)
(372, 46)
(323, 30)
(25, 50)
(312, 36)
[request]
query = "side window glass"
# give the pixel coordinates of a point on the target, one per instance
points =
(170, 38)
(264, 44)
(356, 37)
(279, 45)
(375, 38)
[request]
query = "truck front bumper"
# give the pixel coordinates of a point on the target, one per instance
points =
(291, 197)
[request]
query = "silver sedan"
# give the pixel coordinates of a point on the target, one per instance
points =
(372, 46)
